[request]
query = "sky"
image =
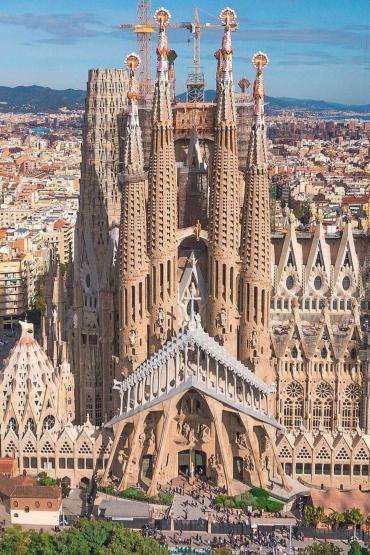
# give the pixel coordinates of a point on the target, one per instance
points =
(317, 48)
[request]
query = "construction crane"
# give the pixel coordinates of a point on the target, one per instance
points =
(144, 29)
(195, 80)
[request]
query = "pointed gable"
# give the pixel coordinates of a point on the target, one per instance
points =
(319, 255)
(347, 256)
(291, 254)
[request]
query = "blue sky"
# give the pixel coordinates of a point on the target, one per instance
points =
(317, 48)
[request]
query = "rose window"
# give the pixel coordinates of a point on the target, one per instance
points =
(353, 391)
(323, 390)
(294, 390)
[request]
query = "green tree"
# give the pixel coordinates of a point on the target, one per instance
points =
(356, 549)
(72, 542)
(13, 541)
(313, 515)
(335, 519)
(322, 548)
(354, 517)
(39, 302)
(302, 213)
(104, 538)
(86, 538)
(63, 268)
(127, 542)
(44, 480)
(41, 543)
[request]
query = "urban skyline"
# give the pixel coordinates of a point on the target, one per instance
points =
(312, 46)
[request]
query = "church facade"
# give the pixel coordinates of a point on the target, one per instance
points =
(192, 247)
(199, 342)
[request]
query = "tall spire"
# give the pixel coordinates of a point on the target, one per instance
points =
(255, 239)
(133, 157)
(162, 111)
(134, 264)
(224, 228)
(162, 210)
(226, 112)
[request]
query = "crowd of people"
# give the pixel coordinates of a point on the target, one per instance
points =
(253, 543)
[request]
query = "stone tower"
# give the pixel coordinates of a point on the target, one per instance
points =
(162, 209)
(224, 228)
(97, 230)
(254, 341)
(133, 258)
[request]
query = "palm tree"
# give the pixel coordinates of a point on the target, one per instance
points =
(314, 515)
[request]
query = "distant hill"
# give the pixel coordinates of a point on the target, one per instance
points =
(39, 99)
(314, 105)
(44, 99)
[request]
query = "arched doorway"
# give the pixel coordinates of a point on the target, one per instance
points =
(66, 481)
(84, 483)
(192, 460)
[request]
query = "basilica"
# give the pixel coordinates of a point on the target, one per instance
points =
(187, 338)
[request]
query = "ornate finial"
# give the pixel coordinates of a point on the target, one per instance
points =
(244, 84)
(228, 17)
(132, 61)
(259, 60)
(162, 17)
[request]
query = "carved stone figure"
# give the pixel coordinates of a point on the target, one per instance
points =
(133, 338)
(160, 317)
(248, 463)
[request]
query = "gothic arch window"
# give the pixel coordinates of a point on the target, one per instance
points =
(30, 424)
(98, 410)
(49, 422)
(322, 411)
(327, 414)
(89, 405)
(351, 407)
(293, 406)
(294, 352)
(12, 425)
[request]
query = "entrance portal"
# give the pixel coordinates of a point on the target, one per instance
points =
(192, 460)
